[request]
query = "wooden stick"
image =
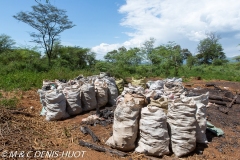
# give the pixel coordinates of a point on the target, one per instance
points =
(101, 149)
(210, 84)
(87, 130)
(234, 99)
(213, 97)
(218, 102)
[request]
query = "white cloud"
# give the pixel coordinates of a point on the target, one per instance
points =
(173, 20)
(103, 48)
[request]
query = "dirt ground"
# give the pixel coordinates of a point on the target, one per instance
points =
(23, 129)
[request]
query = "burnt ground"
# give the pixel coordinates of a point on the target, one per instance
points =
(23, 129)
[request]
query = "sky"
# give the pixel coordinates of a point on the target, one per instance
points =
(105, 25)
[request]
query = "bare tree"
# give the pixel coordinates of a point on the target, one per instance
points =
(49, 21)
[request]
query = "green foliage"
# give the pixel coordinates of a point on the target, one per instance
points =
(219, 62)
(26, 80)
(191, 61)
(167, 57)
(123, 61)
(210, 50)
(228, 71)
(73, 57)
(20, 59)
(25, 68)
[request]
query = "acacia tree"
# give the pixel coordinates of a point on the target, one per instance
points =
(210, 50)
(49, 21)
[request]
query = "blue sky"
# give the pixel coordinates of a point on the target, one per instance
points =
(104, 25)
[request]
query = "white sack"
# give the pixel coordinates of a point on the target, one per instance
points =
(182, 125)
(156, 85)
(101, 93)
(154, 138)
(174, 79)
(125, 124)
(42, 101)
(88, 97)
(60, 85)
(73, 98)
(148, 84)
(131, 90)
(113, 90)
(155, 94)
(201, 117)
(176, 90)
(55, 105)
(91, 79)
(49, 82)
(102, 74)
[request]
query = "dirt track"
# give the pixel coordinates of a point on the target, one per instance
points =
(25, 130)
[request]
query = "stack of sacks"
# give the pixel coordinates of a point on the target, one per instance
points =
(186, 118)
(125, 124)
(80, 94)
(154, 138)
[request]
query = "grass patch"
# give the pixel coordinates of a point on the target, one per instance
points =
(26, 80)
(9, 103)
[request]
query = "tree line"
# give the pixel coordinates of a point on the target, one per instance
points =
(50, 21)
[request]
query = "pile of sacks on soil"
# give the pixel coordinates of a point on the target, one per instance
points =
(61, 99)
(153, 120)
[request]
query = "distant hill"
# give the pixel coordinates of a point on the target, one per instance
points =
(231, 59)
